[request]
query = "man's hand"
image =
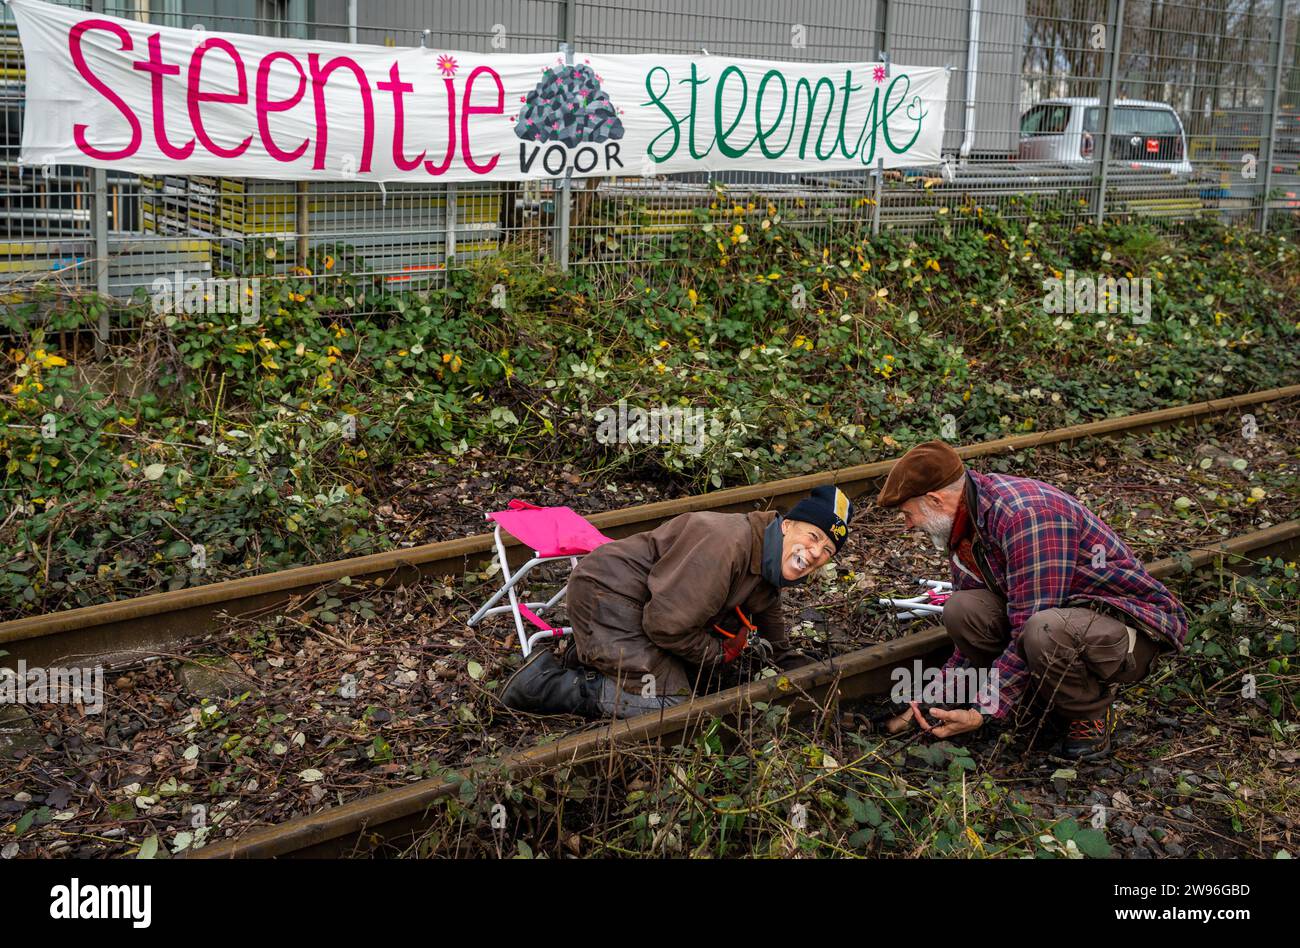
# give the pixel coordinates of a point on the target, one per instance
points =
(945, 724)
(732, 647)
(956, 722)
(899, 724)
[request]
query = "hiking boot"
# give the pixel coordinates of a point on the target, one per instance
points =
(1089, 738)
(543, 686)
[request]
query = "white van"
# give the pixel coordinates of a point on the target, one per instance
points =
(1142, 134)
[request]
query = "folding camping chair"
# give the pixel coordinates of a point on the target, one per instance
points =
(928, 603)
(553, 533)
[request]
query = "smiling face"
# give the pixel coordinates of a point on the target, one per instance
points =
(804, 547)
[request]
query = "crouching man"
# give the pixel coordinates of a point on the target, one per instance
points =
(655, 613)
(1046, 597)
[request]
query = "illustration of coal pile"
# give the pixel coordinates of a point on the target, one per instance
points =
(568, 106)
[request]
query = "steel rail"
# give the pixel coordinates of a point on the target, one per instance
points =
(392, 818)
(131, 628)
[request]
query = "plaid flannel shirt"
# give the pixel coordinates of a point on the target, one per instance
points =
(1045, 550)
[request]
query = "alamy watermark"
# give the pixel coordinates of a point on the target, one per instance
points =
(1090, 294)
(977, 686)
(667, 424)
(208, 296)
(37, 685)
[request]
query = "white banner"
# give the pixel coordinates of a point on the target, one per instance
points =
(126, 95)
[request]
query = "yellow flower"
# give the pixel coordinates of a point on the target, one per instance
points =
(692, 296)
(329, 263)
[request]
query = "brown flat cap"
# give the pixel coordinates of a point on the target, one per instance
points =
(926, 467)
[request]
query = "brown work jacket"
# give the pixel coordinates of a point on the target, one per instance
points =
(647, 604)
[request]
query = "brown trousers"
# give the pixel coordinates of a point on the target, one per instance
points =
(1077, 658)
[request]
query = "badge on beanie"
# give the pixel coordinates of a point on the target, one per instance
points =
(841, 527)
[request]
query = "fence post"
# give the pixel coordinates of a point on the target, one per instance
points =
(564, 196)
(1115, 32)
(880, 170)
(99, 226)
(99, 234)
(1274, 98)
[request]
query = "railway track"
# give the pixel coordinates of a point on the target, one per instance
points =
(389, 820)
(127, 630)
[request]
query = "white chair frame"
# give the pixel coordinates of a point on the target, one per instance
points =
(512, 581)
(918, 607)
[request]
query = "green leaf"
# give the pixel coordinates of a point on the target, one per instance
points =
(149, 848)
(862, 838)
(862, 811)
(1092, 843)
(25, 823)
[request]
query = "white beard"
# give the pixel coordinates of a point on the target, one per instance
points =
(938, 529)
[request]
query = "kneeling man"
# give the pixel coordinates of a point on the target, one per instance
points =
(1046, 596)
(654, 613)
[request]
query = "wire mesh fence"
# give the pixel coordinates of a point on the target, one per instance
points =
(1083, 109)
